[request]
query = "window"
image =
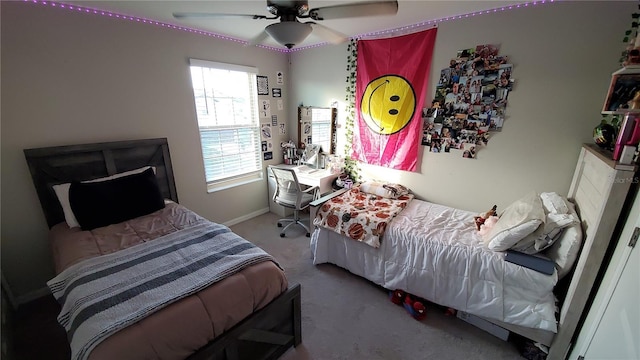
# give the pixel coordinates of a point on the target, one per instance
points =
(227, 112)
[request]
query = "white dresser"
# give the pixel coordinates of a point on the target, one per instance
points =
(599, 188)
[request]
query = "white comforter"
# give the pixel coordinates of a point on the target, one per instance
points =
(434, 252)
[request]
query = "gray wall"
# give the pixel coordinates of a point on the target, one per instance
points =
(563, 55)
(71, 78)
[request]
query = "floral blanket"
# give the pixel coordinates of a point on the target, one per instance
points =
(360, 216)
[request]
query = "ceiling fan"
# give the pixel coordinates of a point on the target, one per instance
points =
(290, 31)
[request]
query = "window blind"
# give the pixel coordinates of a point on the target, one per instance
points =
(227, 113)
(321, 128)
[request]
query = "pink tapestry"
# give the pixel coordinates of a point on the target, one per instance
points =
(391, 80)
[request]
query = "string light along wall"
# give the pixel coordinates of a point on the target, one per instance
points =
(389, 32)
(110, 14)
(432, 23)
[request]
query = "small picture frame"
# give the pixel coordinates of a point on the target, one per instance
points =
(625, 83)
(263, 85)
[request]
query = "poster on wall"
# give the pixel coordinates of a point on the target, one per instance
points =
(266, 131)
(263, 85)
(266, 145)
(306, 128)
(279, 78)
(265, 108)
(469, 102)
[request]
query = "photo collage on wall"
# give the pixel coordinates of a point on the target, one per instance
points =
(469, 103)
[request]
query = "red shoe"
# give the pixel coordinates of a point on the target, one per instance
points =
(419, 311)
(450, 312)
(397, 296)
(415, 308)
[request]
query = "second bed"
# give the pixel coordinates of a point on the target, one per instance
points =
(434, 252)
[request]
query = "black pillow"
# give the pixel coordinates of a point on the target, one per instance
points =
(113, 201)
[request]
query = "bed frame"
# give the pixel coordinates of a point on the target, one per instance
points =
(599, 190)
(63, 164)
(265, 334)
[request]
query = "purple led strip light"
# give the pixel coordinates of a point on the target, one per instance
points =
(432, 23)
(455, 17)
(106, 13)
(228, 38)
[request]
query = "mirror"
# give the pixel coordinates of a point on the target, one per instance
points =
(313, 156)
(317, 125)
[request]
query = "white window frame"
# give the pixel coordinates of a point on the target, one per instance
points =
(250, 169)
(321, 119)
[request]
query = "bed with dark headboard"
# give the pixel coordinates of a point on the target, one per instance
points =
(262, 334)
(63, 164)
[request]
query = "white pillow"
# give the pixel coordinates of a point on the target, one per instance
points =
(546, 234)
(564, 251)
(518, 220)
(554, 203)
(510, 236)
(557, 218)
(62, 192)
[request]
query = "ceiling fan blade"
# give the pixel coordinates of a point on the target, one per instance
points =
(328, 34)
(181, 15)
(258, 39)
(369, 8)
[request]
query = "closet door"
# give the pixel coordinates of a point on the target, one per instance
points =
(612, 328)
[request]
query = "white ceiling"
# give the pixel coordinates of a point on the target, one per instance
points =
(410, 12)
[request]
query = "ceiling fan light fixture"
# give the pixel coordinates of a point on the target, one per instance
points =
(272, 9)
(302, 9)
(289, 33)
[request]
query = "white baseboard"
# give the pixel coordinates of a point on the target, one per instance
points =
(246, 217)
(32, 295)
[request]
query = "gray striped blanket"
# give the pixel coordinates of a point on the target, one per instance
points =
(102, 295)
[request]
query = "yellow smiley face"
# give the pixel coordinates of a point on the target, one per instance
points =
(388, 104)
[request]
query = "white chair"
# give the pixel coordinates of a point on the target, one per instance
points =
(290, 193)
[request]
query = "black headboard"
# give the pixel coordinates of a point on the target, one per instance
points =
(62, 164)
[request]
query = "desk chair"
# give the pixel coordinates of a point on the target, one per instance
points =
(290, 193)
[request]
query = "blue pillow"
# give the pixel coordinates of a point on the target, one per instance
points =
(98, 204)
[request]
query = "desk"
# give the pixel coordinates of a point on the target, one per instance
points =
(321, 178)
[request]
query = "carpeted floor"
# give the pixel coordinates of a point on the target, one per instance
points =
(347, 317)
(343, 316)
